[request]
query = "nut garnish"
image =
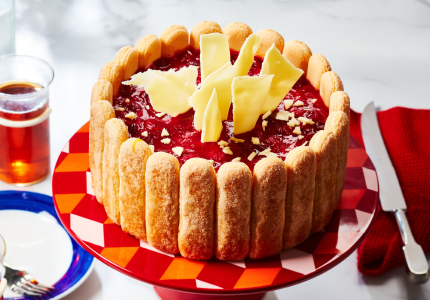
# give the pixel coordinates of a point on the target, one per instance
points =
(297, 130)
(267, 153)
(131, 115)
(314, 100)
(222, 144)
(160, 114)
(145, 133)
(147, 107)
(283, 116)
(264, 124)
(299, 103)
(165, 141)
(178, 150)
(120, 109)
(227, 150)
(305, 143)
(300, 137)
(152, 148)
(288, 104)
(306, 121)
(127, 101)
(164, 132)
(266, 114)
(236, 159)
(237, 140)
(293, 122)
(251, 156)
(255, 140)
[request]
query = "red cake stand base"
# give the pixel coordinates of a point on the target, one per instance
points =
(167, 294)
(176, 277)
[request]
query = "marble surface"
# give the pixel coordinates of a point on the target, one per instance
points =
(379, 48)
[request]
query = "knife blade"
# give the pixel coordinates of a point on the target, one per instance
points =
(390, 194)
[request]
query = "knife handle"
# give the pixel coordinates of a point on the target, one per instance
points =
(416, 261)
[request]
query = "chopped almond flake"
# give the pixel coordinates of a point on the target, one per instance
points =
(300, 137)
(147, 107)
(152, 148)
(165, 141)
(299, 103)
(264, 152)
(283, 116)
(255, 141)
(222, 143)
(236, 159)
(293, 122)
(306, 121)
(291, 114)
(211, 161)
(264, 124)
(271, 154)
(251, 156)
(131, 115)
(227, 150)
(314, 100)
(119, 108)
(164, 132)
(178, 150)
(160, 114)
(288, 150)
(305, 143)
(237, 140)
(127, 101)
(145, 133)
(288, 104)
(266, 114)
(297, 130)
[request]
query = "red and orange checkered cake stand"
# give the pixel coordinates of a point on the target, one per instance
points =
(175, 277)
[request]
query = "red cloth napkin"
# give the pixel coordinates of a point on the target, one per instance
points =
(406, 134)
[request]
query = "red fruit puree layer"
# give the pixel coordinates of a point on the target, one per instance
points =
(278, 136)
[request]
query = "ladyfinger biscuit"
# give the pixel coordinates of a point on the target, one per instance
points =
(268, 38)
(112, 72)
(317, 66)
(324, 145)
(268, 207)
(115, 134)
(338, 123)
(301, 167)
(233, 211)
(330, 83)
(298, 53)
(196, 210)
(149, 50)
(127, 58)
(204, 27)
(101, 112)
(102, 90)
(133, 155)
(173, 40)
(237, 33)
(339, 101)
(162, 202)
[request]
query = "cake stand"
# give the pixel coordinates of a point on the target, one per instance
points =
(175, 277)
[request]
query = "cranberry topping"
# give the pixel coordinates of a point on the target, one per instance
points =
(277, 136)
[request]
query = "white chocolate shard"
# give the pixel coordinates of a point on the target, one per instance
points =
(212, 125)
(214, 53)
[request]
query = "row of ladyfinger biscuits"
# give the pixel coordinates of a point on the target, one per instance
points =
(107, 165)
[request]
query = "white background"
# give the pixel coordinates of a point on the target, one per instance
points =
(380, 49)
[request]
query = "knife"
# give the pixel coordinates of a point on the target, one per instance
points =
(391, 195)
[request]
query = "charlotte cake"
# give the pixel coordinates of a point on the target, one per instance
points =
(192, 209)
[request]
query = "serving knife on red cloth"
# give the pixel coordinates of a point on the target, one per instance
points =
(391, 195)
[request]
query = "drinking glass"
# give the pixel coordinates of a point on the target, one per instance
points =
(24, 123)
(7, 27)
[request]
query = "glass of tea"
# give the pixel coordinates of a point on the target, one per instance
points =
(24, 123)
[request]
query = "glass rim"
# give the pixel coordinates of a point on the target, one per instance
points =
(36, 93)
(2, 255)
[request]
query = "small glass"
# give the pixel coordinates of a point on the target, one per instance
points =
(24, 123)
(2, 255)
(7, 27)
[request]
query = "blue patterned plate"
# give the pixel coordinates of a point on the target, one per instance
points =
(39, 244)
